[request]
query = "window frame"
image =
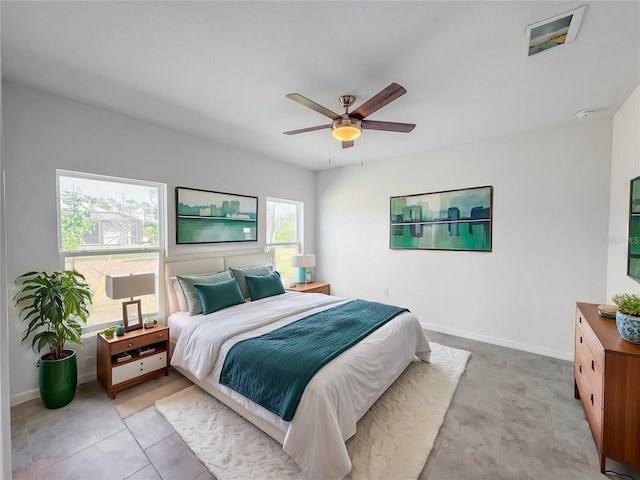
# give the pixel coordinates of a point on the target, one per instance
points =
(159, 249)
(299, 243)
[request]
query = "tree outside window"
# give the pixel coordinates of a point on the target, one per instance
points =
(110, 226)
(284, 227)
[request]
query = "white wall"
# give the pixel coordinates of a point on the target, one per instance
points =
(550, 208)
(43, 133)
(5, 417)
(625, 165)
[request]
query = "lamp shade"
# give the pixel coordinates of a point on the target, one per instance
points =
(129, 286)
(303, 261)
(346, 129)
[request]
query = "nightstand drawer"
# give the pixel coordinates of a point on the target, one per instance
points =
(141, 366)
(322, 289)
(313, 287)
(137, 342)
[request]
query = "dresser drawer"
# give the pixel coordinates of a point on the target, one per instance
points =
(585, 336)
(137, 342)
(141, 366)
(592, 408)
(588, 369)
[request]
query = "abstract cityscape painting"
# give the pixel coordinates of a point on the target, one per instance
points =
(203, 216)
(449, 220)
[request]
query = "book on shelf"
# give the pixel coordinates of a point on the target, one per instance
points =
(123, 357)
(146, 350)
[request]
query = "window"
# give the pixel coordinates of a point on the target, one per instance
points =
(284, 235)
(110, 226)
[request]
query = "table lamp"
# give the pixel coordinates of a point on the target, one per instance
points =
(302, 262)
(129, 286)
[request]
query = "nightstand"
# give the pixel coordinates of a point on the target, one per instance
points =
(313, 287)
(117, 375)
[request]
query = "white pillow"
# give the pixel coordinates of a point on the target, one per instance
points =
(182, 300)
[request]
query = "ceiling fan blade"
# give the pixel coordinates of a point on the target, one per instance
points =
(347, 144)
(378, 101)
(388, 126)
(308, 129)
(296, 97)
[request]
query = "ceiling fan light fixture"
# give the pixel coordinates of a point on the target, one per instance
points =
(346, 129)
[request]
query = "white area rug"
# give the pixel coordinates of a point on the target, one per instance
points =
(393, 440)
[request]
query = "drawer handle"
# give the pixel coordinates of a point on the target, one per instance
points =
(580, 338)
(579, 319)
(159, 335)
(580, 368)
(131, 344)
(592, 399)
(592, 366)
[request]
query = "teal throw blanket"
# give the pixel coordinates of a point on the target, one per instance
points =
(273, 370)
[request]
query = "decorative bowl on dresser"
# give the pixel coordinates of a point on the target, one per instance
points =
(607, 380)
(629, 327)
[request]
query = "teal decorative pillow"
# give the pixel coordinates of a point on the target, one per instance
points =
(216, 296)
(241, 272)
(262, 286)
(187, 283)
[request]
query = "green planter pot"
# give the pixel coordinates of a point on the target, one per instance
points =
(58, 380)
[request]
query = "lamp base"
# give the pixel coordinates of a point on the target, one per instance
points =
(302, 275)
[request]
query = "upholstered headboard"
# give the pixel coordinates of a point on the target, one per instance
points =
(206, 263)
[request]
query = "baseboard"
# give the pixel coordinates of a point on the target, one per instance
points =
(19, 398)
(525, 347)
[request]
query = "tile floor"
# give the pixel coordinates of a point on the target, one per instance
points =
(512, 417)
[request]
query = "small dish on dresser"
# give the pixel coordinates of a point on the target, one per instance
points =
(607, 311)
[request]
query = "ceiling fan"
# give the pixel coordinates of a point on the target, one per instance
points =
(348, 126)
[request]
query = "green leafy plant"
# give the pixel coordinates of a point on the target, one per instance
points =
(109, 332)
(55, 305)
(628, 304)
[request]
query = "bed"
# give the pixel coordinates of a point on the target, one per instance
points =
(335, 398)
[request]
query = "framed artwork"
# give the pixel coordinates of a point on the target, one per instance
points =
(203, 216)
(449, 220)
(633, 247)
(132, 315)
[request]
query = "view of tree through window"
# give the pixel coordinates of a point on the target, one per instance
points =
(110, 226)
(284, 226)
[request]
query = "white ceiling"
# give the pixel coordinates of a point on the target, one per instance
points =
(221, 70)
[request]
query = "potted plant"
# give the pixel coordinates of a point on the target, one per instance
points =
(109, 332)
(628, 316)
(55, 307)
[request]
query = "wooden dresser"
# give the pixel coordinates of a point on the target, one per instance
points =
(607, 380)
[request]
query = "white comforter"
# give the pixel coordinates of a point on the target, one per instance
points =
(335, 398)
